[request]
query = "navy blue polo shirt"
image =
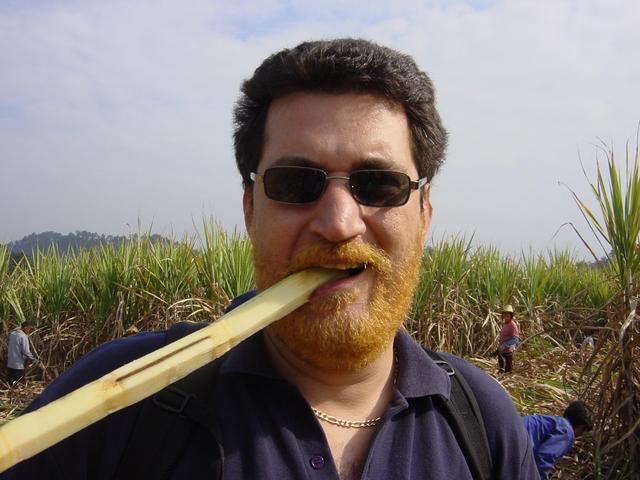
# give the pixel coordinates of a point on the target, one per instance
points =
(270, 432)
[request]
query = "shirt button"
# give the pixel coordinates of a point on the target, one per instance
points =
(317, 462)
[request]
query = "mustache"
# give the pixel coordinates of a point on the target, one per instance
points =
(350, 253)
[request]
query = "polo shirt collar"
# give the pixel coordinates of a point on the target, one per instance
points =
(424, 377)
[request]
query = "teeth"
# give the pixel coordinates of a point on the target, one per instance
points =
(345, 266)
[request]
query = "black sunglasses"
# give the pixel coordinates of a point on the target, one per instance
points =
(376, 188)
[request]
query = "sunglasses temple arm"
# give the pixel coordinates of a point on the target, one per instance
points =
(421, 182)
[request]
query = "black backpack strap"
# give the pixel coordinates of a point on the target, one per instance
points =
(167, 419)
(465, 418)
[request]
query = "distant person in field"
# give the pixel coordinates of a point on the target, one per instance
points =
(337, 142)
(553, 437)
(508, 340)
(18, 353)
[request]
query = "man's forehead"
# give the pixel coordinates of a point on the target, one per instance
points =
(357, 130)
(316, 100)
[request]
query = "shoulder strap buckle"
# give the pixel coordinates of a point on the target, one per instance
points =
(172, 400)
(446, 366)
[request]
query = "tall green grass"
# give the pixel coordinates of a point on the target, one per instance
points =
(462, 289)
(102, 291)
(80, 299)
(615, 385)
(225, 262)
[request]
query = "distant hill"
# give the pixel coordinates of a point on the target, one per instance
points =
(80, 239)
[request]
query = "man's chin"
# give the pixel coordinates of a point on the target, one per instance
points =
(345, 341)
(331, 357)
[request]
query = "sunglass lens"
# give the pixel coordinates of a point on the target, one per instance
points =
(380, 188)
(293, 184)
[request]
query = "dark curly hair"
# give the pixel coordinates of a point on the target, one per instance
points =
(340, 66)
(578, 413)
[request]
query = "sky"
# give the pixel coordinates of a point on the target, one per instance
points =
(115, 114)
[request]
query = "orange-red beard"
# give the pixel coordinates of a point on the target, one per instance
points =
(326, 333)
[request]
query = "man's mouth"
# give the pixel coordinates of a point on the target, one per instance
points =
(353, 258)
(351, 269)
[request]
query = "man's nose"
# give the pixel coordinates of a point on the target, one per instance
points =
(336, 215)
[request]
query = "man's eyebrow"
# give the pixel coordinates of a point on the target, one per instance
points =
(294, 161)
(376, 163)
(372, 163)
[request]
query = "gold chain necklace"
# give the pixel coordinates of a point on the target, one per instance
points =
(370, 422)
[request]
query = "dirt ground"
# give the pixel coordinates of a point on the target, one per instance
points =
(13, 400)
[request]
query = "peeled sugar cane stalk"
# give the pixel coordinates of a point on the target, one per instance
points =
(36, 431)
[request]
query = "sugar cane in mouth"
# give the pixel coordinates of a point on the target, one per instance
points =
(36, 431)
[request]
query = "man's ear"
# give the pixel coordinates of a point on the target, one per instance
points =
(426, 210)
(247, 207)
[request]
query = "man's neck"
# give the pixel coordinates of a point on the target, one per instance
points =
(354, 394)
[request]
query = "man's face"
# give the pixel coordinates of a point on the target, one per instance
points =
(348, 322)
(507, 316)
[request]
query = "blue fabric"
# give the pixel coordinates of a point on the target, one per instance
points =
(552, 437)
(512, 342)
(270, 432)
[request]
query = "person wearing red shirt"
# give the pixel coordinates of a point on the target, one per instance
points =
(509, 338)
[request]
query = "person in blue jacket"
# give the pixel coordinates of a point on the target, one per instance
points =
(553, 437)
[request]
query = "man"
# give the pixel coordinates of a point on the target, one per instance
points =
(336, 142)
(553, 437)
(18, 353)
(508, 340)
